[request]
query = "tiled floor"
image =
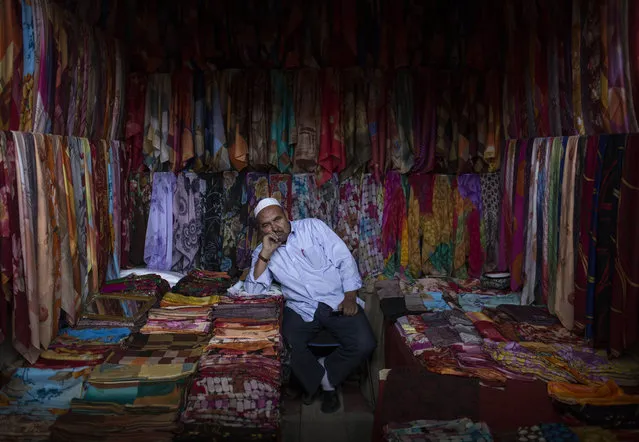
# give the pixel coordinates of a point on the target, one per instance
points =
(353, 422)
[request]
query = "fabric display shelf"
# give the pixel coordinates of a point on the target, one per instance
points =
(485, 336)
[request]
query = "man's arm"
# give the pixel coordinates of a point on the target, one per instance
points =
(259, 278)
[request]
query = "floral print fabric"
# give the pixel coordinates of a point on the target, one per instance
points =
(158, 247)
(491, 203)
(211, 249)
(280, 188)
(348, 211)
(371, 260)
(188, 214)
(328, 196)
(304, 196)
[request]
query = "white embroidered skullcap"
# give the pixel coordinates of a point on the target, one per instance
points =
(264, 203)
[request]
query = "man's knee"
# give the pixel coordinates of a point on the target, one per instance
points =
(364, 344)
(367, 345)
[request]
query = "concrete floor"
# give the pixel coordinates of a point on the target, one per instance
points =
(353, 422)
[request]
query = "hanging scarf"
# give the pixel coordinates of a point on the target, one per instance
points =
(28, 67)
(507, 206)
(603, 230)
(332, 156)
(27, 204)
(257, 187)
(76, 158)
(11, 66)
(232, 222)
(65, 219)
(304, 196)
(199, 119)
(564, 291)
(624, 302)
(355, 126)
(377, 112)
(348, 209)
(237, 118)
(402, 151)
(13, 282)
(100, 190)
(328, 200)
(217, 154)
(187, 221)
(490, 198)
(531, 251)
(308, 116)
(140, 189)
(158, 246)
(587, 182)
(543, 215)
(594, 92)
(371, 260)
(392, 221)
(554, 215)
(577, 103)
(283, 129)
(156, 121)
(211, 250)
(260, 123)
(519, 217)
(424, 123)
(280, 188)
(181, 120)
(134, 132)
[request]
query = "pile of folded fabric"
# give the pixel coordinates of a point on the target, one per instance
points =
(543, 362)
(236, 392)
(448, 343)
(128, 402)
(34, 397)
(525, 323)
(123, 302)
(547, 432)
(82, 347)
(604, 404)
(203, 283)
(429, 430)
(180, 314)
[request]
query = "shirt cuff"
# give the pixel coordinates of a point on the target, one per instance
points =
(351, 285)
(264, 278)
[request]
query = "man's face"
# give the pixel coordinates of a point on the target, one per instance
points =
(272, 219)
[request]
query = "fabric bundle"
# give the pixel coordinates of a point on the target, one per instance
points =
(42, 393)
(201, 283)
(134, 401)
(237, 386)
(84, 347)
(423, 430)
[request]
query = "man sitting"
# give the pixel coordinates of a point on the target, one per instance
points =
(320, 280)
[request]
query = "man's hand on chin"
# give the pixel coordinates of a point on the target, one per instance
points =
(349, 305)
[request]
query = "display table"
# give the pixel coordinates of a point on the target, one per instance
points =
(410, 392)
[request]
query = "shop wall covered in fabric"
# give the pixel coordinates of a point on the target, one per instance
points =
(432, 136)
